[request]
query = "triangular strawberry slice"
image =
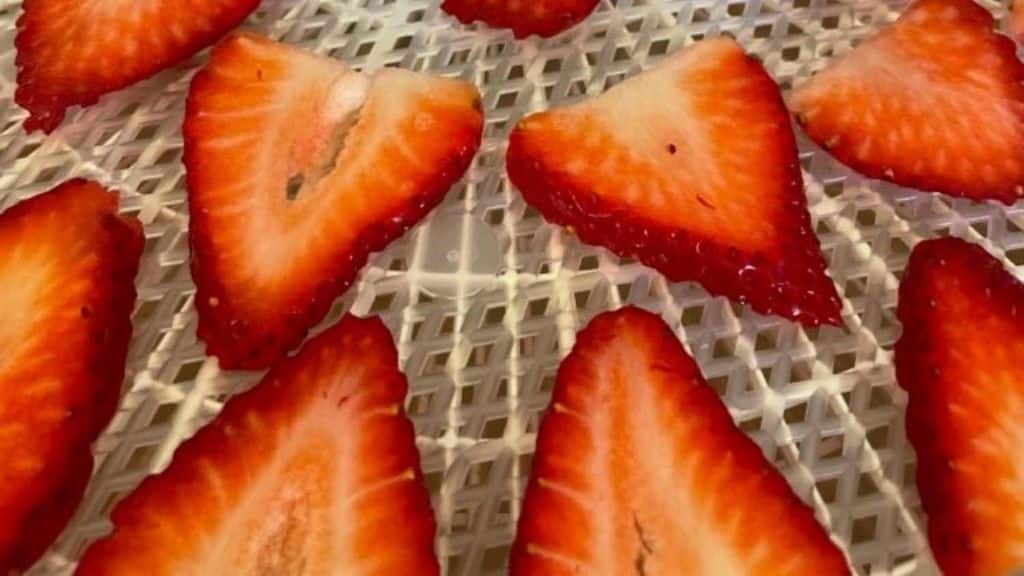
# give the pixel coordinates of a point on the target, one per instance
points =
(71, 52)
(692, 168)
(314, 471)
(961, 359)
(299, 168)
(67, 270)
(544, 18)
(640, 470)
(934, 102)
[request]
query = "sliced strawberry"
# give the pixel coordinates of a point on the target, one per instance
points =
(934, 102)
(298, 169)
(67, 269)
(692, 168)
(641, 470)
(70, 52)
(314, 471)
(961, 359)
(1017, 20)
(541, 17)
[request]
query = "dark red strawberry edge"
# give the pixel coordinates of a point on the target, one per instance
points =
(791, 283)
(47, 108)
(226, 331)
(113, 331)
(469, 11)
(919, 360)
(844, 151)
(930, 261)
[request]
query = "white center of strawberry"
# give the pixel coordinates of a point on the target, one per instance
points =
(347, 96)
(339, 113)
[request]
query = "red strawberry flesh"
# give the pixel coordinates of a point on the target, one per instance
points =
(299, 168)
(70, 52)
(935, 102)
(1017, 20)
(544, 18)
(67, 269)
(692, 168)
(640, 470)
(959, 358)
(313, 471)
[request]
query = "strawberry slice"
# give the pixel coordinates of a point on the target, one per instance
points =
(641, 470)
(67, 269)
(934, 102)
(544, 18)
(960, 361)
(692, 168)
(71, 52)
(299, 168)
(314, 471)
(1017, 20)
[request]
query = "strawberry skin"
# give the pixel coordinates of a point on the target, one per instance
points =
(640, 470)
(959, 358)
(298, 169)
(933, 102)
(544, 18)
(71, 52)
(691, 168)
(67, 269)
(313, 471)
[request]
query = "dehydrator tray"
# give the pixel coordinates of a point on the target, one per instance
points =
(484, 297)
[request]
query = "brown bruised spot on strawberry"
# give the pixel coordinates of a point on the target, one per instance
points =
(934, 102)
(67, 269)
(960, 360)
(298, 168)
(640, 470)
(313, 471)
(692, 168)
(544, 18)
(71, 52)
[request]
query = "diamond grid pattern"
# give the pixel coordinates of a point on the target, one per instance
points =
(481, 333)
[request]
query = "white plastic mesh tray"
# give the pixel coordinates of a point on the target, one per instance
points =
(484, 297)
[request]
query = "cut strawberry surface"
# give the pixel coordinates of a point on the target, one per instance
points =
(1017, 20)
(524, 17)
(70, 52)
(67, 269)
(299, 168)
(313, 471)
(640, 470)
(934, 102)
(960, 360)
(692, 168)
